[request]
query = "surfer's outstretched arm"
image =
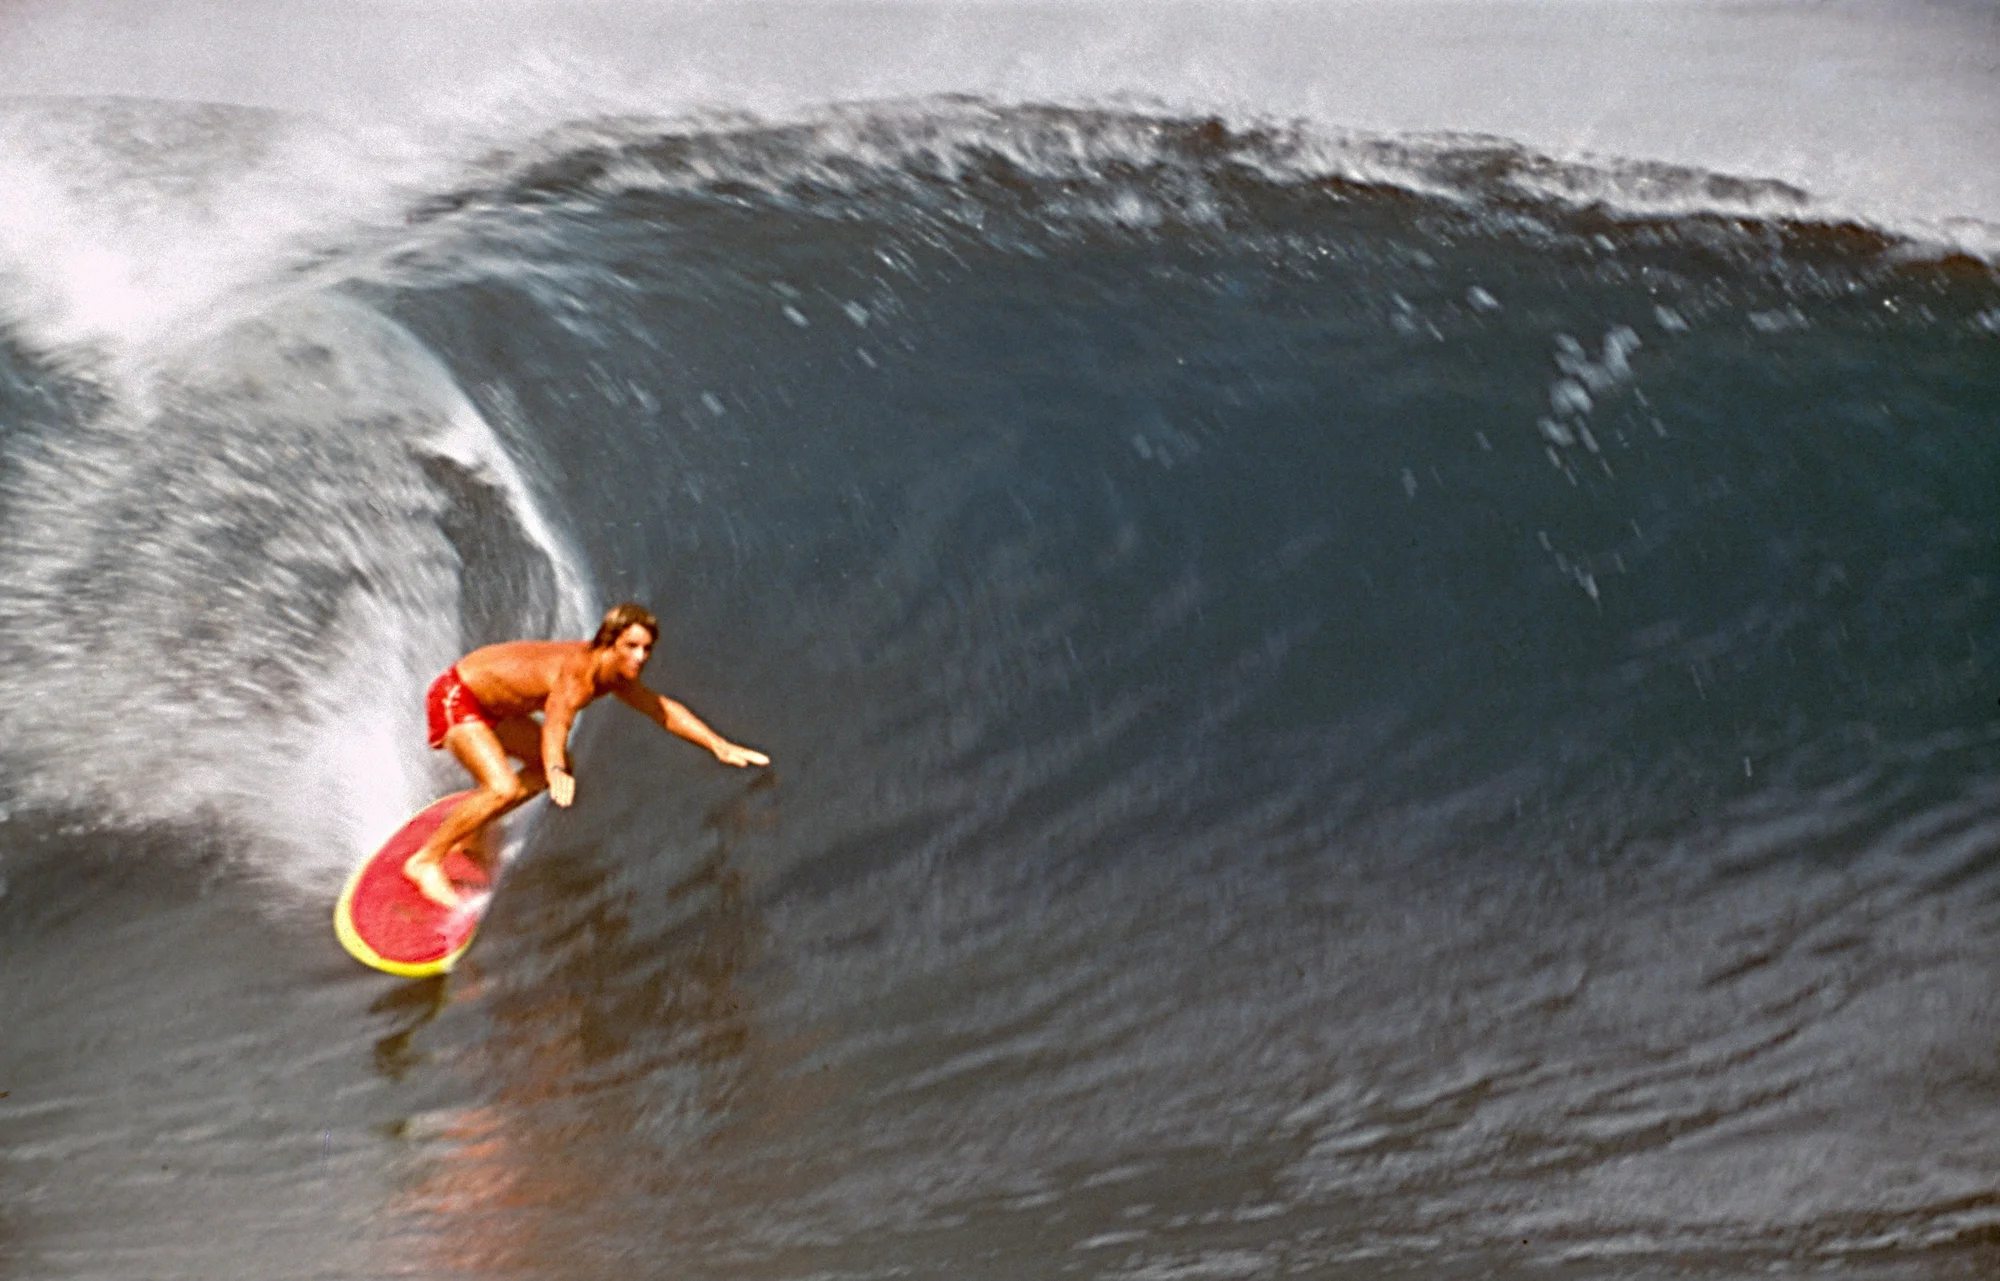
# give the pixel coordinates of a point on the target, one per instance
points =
(678, 720)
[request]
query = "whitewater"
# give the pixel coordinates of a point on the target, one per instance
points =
(1376, 623)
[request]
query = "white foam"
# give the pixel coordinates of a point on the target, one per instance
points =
(127, 225)
(270, 472)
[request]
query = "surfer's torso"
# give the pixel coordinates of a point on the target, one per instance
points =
(516, 678)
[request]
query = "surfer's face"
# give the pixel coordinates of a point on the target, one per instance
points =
(630, 652)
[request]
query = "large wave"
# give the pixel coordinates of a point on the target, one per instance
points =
(1342, 704)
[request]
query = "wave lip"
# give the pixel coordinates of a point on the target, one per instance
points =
(961, 159)
(1882, 110)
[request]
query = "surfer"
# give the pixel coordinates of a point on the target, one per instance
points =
(482, 710)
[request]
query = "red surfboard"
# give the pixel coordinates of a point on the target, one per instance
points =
(382, 919)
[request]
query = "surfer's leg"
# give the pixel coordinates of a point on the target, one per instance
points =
(480, 749)
(522, 738)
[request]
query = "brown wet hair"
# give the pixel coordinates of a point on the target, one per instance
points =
(620, 617)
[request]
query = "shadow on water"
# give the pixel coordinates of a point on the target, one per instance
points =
(618, 1041)
(415, 1004)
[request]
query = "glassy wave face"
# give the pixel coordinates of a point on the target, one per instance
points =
(1322, 726)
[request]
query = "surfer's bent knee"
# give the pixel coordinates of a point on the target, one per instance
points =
(511, 792)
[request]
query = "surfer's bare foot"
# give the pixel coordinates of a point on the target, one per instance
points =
(429, 878)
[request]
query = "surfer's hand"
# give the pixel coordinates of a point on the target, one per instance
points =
(731, 754)
(562, 787)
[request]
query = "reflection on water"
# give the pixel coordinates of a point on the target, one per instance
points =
(618, 1044)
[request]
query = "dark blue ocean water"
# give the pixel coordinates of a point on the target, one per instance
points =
(1318, 730)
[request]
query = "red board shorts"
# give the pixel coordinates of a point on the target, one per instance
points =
(451, 703)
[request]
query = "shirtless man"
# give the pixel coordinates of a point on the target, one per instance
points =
(480, 709)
